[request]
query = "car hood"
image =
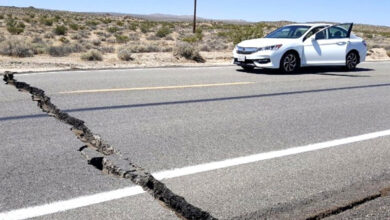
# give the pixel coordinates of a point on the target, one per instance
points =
(263, 42)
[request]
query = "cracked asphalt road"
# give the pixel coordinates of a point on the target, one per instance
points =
(163, 129)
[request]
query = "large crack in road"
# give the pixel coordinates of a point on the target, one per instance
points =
(136, 174)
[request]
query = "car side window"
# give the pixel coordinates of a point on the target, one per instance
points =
(337, 32)
(313, 31)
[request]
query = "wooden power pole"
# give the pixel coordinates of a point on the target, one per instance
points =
(194, 25)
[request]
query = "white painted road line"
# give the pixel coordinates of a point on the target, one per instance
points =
(83, 201)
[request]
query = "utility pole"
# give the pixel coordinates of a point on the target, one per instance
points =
(194, 25)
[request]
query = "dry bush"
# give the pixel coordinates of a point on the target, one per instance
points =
(188, 51)
(106, 49)
(92, 55)
(65, 50)
(39, 47)
(153, 38)
(121, 39)
(163, 32)
(96, 42)
(60, 30)
(16, 47)
(134, 37)
(169, 38)
(15, 27)
(388, 53)
(124, 53)
(143, 48)
(48, 35)
(74, 26)
(64, 40)
(59, 51)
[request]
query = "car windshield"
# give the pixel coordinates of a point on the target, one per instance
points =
(294, 31)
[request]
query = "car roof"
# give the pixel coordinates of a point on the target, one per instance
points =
(310, 24)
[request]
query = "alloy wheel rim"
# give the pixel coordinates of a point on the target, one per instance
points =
(351, 61)
(289, 63)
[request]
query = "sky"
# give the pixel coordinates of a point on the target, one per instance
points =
(375, 12)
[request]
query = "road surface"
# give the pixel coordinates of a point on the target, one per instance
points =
(169, 118)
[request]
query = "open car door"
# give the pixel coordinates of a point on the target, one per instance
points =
(329, 46)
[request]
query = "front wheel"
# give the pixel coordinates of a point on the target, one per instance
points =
(289, 63)
(351, 61)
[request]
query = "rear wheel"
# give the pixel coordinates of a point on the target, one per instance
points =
(351, 61)
(248, 68)
(289, 62)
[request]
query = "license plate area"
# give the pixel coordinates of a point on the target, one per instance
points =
(241, 58)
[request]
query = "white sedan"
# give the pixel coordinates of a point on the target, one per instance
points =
(293, 46)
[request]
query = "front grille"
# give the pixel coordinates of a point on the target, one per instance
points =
(246, 50)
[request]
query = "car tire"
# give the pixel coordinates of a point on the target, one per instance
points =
(248, 68)
(289, 63)
(351, 61)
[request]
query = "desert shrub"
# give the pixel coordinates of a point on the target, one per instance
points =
(169, 38)
(133, 26)
(64, 40)
(190, 38)
(1, 16)
(106, 20)
(388, 53)
(121, 39)
(91, 23)
(152, 37)
(124, 53)
(16, 47)
(92, 55)
(96, 42)
(111, 40)
(106, 49)
(163, 31)
(59, 51)
(74, 26)
(240, 33)
(205, 48)
(113, 29)
(369, 36)
(76, 36)
(39, 47)
(48, 35)
(46, 21)
(26, 19)
(14, 27)
(198, 36)
(144, 48)
(146, 26)
(119, 23)
(188, 51)
(60, 30)
(134, 37)
(57, 18)
(76, 48)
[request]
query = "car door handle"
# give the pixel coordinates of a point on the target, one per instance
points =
(341, 43)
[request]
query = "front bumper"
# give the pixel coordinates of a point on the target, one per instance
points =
(262, 59)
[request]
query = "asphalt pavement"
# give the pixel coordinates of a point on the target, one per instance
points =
(168, 118)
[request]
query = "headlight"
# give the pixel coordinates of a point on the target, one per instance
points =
(273, 47)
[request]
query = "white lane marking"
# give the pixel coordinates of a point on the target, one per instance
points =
(83, 201)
